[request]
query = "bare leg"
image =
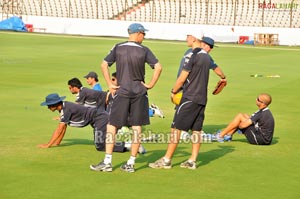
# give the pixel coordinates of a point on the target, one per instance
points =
(196, 143)
(234, 124)
(174, 139)
(110, 138)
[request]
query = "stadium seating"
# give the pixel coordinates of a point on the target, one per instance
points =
(275, 13)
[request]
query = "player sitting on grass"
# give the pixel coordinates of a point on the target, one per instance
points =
(258, 128)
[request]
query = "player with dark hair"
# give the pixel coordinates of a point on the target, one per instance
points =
(92, 80)
(86, 96)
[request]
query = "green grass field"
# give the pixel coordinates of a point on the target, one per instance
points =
(34, 65)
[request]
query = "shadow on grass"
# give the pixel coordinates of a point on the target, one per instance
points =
(204, 157)
(209, 156)
(69, 142)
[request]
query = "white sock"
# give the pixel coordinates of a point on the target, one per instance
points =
(107, 159)
(131, 160)
(128, 145)
(166, 159)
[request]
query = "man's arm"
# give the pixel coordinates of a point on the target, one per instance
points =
(220, 73)
(155, 76)
(105, 72)
(57, 136)
(180, 81)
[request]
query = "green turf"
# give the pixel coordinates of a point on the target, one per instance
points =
(33, 66)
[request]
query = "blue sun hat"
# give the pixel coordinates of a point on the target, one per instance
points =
(209, 41)
(136, 27)
(52, 99)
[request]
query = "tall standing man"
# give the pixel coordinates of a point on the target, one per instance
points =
(196, 42)
(189, 114)
(130, 95)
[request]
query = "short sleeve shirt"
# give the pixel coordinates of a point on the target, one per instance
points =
(97, 87)
(130, 58)
(187, 56)
(77, 115)
(264, 122)
(195, 87)
(91, 98)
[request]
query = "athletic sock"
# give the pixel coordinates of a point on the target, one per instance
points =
(166, 160)
(131, 160)
(107, 159)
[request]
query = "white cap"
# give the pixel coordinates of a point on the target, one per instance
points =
(196, 33)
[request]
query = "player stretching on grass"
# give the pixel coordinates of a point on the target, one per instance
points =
(130, 98)
(258, 128)
(77, 115)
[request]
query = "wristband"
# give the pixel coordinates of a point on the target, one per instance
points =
(173, 91)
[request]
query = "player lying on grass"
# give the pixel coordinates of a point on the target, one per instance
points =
(258, 128)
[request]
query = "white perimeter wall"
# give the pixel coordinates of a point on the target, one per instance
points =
(93, 27)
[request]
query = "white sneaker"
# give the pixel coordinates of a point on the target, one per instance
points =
(157, 111)
(142, 149)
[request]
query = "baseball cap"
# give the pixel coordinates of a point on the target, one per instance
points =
(209, 41)
(197, 34)
(136, 27)
(92, 74)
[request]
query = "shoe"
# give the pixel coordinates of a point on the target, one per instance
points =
(101, 167)
(227, 138)
(142, 149)
(217, 137)
(127, 168)
(188, 165)
(152, 138)
(160, 164)
(157, 111)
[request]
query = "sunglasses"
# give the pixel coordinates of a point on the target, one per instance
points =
(143, 33)
(259, 100)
